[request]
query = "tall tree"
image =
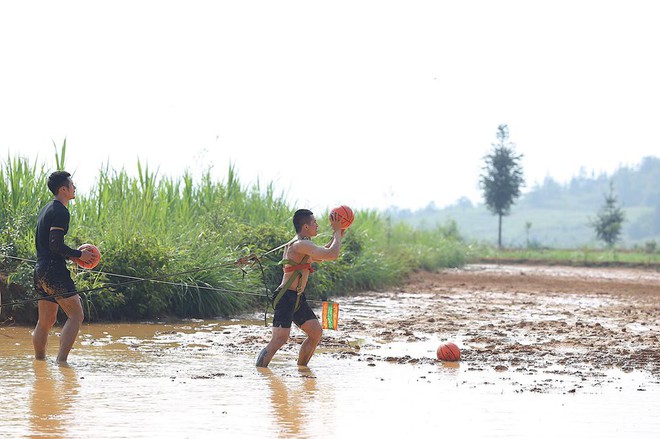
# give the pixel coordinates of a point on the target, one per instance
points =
(502, 177)
(609, 219)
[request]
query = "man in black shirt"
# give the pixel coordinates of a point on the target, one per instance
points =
(52, 279)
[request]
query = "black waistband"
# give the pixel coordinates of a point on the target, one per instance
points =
(51, 262)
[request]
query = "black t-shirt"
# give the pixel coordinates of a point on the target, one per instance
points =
(53, 214)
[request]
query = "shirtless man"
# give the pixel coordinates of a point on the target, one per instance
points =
(51, 277)
(290, 303)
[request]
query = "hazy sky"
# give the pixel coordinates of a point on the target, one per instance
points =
(367, 103)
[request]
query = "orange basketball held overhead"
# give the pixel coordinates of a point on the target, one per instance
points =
(345, 215)
(448, 352)
(94, 262)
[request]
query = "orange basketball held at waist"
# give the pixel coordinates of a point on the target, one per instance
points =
(94, 262)
(345, 215)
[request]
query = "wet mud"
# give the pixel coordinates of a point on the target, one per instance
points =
(546, 324)
(538, 344)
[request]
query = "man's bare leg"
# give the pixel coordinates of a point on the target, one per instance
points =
(280, 336)
(72, 306)
(47, 317)
(314, 331)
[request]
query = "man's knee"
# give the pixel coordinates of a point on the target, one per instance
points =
(73, 309)
(279, 340)
(316, 335)
(313, 330)
(280, 337)
(47, 315)
(46, 322)
(78, 317)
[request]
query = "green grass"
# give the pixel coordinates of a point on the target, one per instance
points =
(580, 257)
(148, 226)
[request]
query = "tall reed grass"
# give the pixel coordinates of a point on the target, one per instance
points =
(151, 227)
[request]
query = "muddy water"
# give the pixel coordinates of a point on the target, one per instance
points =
(375, 376)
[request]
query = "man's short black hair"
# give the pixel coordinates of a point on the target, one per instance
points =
(58, 179)
(301, 217)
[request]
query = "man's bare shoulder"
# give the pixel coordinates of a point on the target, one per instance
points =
(303, 246)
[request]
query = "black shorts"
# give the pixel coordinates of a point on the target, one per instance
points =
(53, 279)
(285, 312)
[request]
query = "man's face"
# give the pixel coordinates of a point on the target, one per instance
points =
(69, 190)
(312, 229)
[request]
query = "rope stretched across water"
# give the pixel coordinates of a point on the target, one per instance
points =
(134, 280)
(157, 279)
(251, 259)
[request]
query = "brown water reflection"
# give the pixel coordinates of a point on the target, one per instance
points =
(129, 389)
(376, 376)
(54, 393)
(289, 403)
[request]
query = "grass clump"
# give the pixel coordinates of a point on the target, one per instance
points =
(186, 234)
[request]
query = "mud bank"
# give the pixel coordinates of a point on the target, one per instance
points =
(541, 322)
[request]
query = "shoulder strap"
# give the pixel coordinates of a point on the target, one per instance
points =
(292, 268)
(297, 275)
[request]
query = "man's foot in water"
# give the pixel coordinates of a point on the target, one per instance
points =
(261, 358)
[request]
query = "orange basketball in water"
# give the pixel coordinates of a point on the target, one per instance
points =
(448, 352)
(94, 262)
(345, 215)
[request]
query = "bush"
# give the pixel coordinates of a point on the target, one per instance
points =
(169, 247)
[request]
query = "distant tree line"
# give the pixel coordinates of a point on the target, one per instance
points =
(635, 186)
